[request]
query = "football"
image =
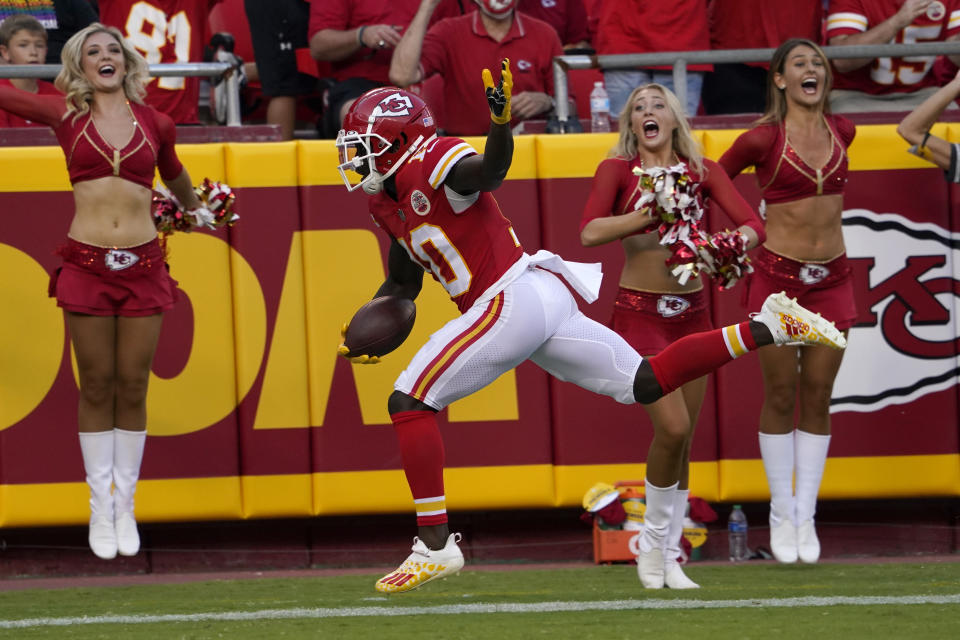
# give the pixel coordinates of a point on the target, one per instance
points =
(380, 326)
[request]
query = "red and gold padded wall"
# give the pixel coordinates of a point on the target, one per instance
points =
(253, 415)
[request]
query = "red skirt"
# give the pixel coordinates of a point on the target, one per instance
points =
(651, 321)
(102, 281)
(823, 287)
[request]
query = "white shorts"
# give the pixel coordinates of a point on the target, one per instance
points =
(535, 317)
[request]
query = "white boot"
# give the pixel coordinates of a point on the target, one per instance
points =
(811, 458)
(777, 451)
(97, 450)
(673, 575)
(127, 456)
(653, 539)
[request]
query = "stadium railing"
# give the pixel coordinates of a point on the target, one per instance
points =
(679, 60)
(180, 69)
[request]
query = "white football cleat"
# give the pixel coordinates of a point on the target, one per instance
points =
(783, 541)
(791, 324)
(675, 578)
(650, 569)
(808, 545)
(422, 566)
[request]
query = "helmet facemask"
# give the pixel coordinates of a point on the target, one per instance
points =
(357, 155)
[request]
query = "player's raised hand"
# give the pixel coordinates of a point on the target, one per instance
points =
(344, 351)
(498, 97)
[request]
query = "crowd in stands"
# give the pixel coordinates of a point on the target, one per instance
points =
(306, 62)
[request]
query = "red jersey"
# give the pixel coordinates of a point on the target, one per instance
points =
(460, 48)
(615, 190)
(653, 26)
(165, 31)
(13, 120)
(465, 242)
(784, 176)
(88, 155)
(567, 17)
(762, 24)
(891, 75)
(344, 15)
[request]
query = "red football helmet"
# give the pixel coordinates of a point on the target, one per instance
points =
(383, 128)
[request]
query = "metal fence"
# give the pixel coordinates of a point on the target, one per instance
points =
(679, 60)
(176, 70)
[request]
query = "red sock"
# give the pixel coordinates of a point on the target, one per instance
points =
(698, 354)
(421, 451)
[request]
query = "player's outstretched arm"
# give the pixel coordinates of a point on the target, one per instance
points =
(915, 127)
(487, 171)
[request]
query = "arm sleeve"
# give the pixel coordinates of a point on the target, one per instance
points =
(846, 130)
(603, 192)
(167, 161)
(750, 149)
(722, 192)
(46, 109)
(846, 18)
(326, 14)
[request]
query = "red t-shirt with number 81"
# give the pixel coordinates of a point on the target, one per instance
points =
(165, 31)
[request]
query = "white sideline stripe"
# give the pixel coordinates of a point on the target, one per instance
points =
(456, 609)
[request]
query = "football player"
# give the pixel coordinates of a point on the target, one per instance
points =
(432, 196)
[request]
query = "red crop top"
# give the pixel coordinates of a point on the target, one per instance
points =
(88, 155)
(784, 176)
(614, 189)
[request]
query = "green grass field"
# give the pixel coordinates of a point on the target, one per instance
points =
(762, 600)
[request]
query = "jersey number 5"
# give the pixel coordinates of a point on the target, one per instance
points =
(150, 30)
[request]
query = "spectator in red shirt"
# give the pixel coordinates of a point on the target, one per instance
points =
(460, 48)
(652, 26)
(752, 24)
(165, 31)
(887, 84)
(568, 17)
(23, 40)
(358, 37)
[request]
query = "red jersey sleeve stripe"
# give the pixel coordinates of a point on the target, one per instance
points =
(846, 21)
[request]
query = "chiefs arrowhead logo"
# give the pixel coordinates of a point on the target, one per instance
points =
(904, 344)
(669, 306)
(396, 105)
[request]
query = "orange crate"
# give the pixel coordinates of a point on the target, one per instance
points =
(613, 545)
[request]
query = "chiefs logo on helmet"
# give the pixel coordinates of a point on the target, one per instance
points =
(393, 106)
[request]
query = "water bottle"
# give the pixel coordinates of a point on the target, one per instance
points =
(737, 534)
(599, 109)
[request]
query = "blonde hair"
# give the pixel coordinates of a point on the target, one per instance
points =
(684, 144)
(74, 84)
(776, 99)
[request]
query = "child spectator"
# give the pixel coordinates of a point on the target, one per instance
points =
(60, 18)
(23, 40)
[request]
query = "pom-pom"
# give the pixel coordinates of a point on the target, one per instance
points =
(725, 257)
(218, 198)
(672, 195)
(169, 215)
